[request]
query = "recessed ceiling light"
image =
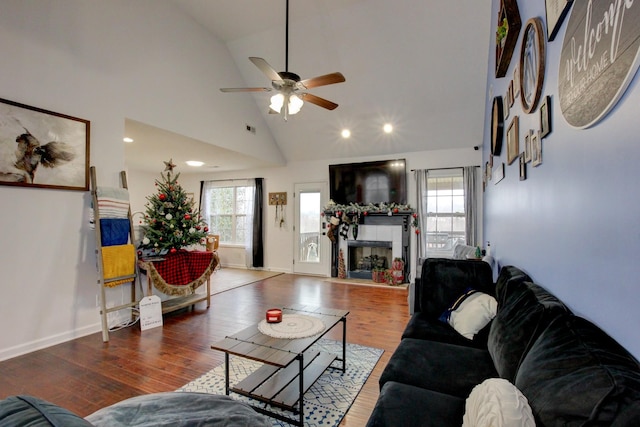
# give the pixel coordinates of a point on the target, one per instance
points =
(346, 133)
(127, 139)
(387, 128)
(194, 163)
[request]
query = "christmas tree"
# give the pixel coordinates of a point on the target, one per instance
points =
(170, 221)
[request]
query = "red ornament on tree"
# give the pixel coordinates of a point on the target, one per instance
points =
(206, 229)
(173, 250)
(365, 213)
(198, 227)
(162, 197)
(187, 217)
(395, 210)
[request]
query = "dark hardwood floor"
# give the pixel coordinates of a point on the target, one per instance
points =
(86, 374)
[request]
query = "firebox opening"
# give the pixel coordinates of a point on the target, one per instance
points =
(364, 256)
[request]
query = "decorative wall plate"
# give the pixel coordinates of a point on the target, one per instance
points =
(532, 64)
(497, 125)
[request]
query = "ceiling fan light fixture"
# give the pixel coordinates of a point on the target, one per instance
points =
(277, 101)
(295, 104)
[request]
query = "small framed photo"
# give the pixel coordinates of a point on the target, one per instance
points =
(499, 173)
(527, 147)
(516, 81)
(536, 149)
(506, 106)
(511, 94)
(545, 117)
(512, 141)
(523, 167)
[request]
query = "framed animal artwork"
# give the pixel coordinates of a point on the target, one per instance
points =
(43, 149)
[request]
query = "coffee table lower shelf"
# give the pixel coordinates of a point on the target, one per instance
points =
(284, 387)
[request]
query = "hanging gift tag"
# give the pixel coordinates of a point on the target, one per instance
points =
(150, 312)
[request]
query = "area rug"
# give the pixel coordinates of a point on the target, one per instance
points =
(325, 403)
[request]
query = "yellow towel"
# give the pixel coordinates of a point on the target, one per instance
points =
(118, 261)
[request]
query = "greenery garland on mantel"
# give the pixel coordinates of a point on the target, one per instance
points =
(350, 214)
(352, 209)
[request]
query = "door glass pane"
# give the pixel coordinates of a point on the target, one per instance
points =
(309, 226)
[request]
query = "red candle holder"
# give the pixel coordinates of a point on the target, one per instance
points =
(274, 315)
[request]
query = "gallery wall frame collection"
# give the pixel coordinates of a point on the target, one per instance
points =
(527, 84)
(43, 149)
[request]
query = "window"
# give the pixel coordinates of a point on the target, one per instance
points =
(225, 209)
(445, 224)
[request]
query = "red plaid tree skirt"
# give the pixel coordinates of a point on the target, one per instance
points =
(183, 267)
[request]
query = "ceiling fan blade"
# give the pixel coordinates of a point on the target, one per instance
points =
(321, 102)
(245, 89)
(265, 68)
(327, 79)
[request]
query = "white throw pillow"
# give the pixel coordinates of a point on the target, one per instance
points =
(497, 403)
(473, 314)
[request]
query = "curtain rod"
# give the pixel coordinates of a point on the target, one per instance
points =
(229, 179)
(439, 169)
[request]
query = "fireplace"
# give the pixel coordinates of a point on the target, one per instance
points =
(380, 236)
(365, 255)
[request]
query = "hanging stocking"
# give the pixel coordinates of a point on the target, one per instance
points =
(344, 230)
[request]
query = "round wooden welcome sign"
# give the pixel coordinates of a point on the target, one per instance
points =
(599, 58)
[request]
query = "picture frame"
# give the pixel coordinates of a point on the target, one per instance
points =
(523, 167)
(527, 146)
(510, 94)
(43, 149)
(512, 140)
(516, 81)
(545, 117)
(536, 150)
(499, 173)
(506, 105)
(556, 11)
(507, 31)
(532, 64)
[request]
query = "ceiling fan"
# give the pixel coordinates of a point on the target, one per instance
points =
(290, 87)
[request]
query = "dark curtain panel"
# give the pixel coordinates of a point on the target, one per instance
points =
(258, 231)
(200, 198)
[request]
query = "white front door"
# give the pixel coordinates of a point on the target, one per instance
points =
(311, 246)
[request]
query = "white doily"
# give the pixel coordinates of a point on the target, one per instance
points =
(292, 326)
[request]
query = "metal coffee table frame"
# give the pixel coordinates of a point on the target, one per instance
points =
(274, 383)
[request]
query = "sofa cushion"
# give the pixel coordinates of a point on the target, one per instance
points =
(31, 411)
(179, 409)
(445, 368)
(577, 375)
(526, 311)
(470, 312)
(422, 327)
(406, 405)
(508, 274)
(497, 403)
(443, 280)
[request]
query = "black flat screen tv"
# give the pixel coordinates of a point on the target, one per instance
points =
(383, 181)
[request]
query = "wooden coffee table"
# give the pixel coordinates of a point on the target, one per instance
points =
(280, 382)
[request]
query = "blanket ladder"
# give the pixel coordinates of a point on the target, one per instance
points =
(102, 281)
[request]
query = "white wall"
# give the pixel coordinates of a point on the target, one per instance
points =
(573, 224)
(104, 62)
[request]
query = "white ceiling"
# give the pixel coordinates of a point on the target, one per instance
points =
(418, 64)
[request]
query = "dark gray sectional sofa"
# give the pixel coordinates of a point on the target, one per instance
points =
(571, 372)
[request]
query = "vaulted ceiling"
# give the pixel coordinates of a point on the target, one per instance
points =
(420, 65)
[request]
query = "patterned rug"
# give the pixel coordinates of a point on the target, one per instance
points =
(326, 402)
